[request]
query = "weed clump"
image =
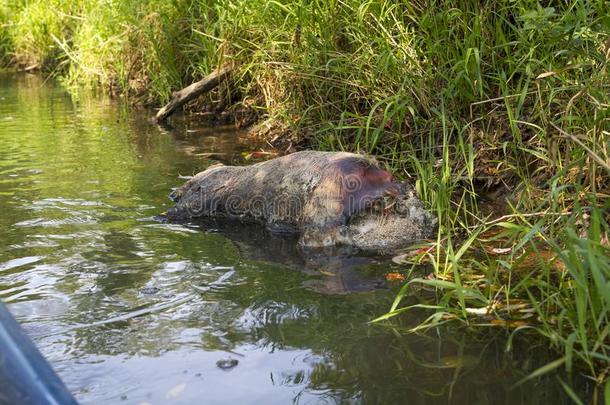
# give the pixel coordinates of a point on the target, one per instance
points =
(505, 100)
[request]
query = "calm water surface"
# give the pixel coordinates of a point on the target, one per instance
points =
(80, 179)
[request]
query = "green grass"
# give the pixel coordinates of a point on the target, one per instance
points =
(5, 42)
(462, 97)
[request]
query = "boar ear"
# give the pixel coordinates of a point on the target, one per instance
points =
(377, 175)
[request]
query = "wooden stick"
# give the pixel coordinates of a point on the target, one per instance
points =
(194, 90)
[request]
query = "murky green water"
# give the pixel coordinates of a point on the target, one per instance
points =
(79, 182)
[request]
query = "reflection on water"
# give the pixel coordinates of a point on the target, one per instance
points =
(79, 182)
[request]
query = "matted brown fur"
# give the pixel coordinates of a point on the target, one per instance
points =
(327, 197)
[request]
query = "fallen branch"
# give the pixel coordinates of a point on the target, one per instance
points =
(193, 91)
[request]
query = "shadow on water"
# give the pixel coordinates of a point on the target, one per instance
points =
(333, 270)
(79, 177)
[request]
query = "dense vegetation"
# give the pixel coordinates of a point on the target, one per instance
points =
(504, 100)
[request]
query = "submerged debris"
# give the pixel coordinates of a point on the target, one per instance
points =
(227, 364)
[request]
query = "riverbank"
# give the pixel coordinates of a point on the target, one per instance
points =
(503, 99)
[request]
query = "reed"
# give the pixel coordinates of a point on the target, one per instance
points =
(465, 98)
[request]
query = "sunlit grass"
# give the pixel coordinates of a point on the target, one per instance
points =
(465, 99)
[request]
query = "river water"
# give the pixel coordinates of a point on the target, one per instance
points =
(228, 313)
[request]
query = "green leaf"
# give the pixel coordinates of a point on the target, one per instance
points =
(571, 393)
(542, 370)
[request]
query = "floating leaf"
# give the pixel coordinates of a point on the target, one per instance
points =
(394, 277)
